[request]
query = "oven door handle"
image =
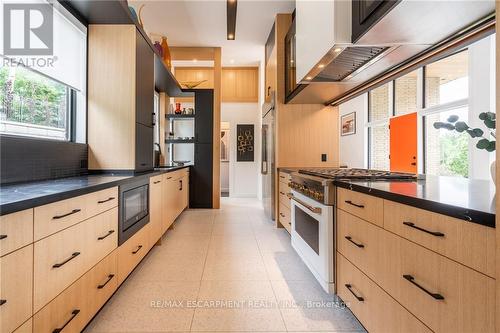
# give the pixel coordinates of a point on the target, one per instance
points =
(316, 210)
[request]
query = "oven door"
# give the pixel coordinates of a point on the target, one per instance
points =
(313, 237)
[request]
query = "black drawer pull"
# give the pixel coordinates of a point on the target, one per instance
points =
(353, 204)
(3, 236)
(74, 313)
(138, 249)
(169, 177)
(359, 298)
(109, 233)
(73, 256)
(156, 182)
(2, 301)
(433, 233)
(110, 277)
(282, 193)
(108, 199)
(74, 211)
(282, 215)
(412, 281)
(349, 238)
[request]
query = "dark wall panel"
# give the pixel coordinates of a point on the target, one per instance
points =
(27, 159)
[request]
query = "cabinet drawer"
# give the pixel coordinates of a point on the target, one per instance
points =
(102, 282)
(16, 231)
(365, 206)
(284, 217)
(63, 257)
(51, 218)
(468, 297)
(131, 252)
(155, 208)
(27, 327)
(99, 202)
(468, 243)
(284, 177)
(16, 287)
(374, 308)
(69, 310)
(359, 242)
(284, 189)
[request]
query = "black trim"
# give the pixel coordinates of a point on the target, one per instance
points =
(231, 9)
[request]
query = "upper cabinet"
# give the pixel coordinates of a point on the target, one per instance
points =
(240, 85)
(365, 13)
(120, 99)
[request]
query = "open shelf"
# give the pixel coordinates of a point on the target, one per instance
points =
(172, 141)
(179, 116)
(117, 12)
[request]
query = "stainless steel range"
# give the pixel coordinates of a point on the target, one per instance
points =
(313, 200)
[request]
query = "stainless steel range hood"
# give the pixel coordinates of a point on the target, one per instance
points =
(409, 28)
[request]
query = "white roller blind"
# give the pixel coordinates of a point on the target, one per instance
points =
(69, 46)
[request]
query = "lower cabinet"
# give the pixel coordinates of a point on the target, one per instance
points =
(132, 251)
(156, 229)
(175, 195)
(27, 327)
(376, 310)
(74, 307)
(16, 287)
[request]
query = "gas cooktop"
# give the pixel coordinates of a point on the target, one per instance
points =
(345, 173)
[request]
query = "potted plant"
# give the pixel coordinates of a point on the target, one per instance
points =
(489, 120)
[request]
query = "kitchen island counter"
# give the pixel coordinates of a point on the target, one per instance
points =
(469, 200)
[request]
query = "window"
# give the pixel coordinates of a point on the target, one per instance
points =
(405, 94)
(379, 109)
(446, 92)
(43, 96)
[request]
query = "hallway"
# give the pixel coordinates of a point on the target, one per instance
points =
(223, 270)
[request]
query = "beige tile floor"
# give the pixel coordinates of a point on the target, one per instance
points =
(227, 270)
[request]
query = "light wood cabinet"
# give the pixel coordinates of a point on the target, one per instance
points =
(16, 231)
(16, 287)
(362, 205)
(155, 208)
(102, 282)
(194, 74)
(375, 308)
(27, 327)
(68, 254)
(175, 195)
(53, 217)
(285, 217)
(240, 84)
(468, 243)
(132, 251)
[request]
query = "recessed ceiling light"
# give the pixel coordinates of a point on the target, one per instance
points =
(231, 8)
(231, 61)
(195, 60)
(309, 78)
(291, 61)
(321, 66)
(230, 37)
(338, 49)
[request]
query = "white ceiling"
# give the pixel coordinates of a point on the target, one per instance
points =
(203, 23)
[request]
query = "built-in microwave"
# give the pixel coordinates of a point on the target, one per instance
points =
(134, 208)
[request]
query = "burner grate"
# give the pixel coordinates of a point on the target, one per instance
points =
(342, 173)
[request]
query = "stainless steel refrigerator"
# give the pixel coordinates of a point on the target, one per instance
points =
(268, 159)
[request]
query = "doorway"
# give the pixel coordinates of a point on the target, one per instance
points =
(224, 158)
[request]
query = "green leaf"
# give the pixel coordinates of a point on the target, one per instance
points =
(453, 118)
(487, 115)
(483, 144)
(438, 125)
(461, 126)
(476, 132)
(491, 147)
(490, 123)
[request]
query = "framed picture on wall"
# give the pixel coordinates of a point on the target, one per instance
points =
(244, 143)
(348, 124)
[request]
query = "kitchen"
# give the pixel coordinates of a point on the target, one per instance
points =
(354, 189)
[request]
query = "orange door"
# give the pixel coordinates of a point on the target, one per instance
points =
(403, 143)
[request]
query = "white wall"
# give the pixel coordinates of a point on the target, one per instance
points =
(353, 148)
(243, 176)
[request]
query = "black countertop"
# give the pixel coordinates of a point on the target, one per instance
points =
(470, 200)
(22, 196)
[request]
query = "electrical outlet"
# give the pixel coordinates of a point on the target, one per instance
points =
(323, 157)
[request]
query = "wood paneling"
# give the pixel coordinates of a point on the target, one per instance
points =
(27, 327)
(111, 112)
(16, 287)
(192, 53)
(186, 74)
(16, 230)
(216, 134)
(240, 85)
